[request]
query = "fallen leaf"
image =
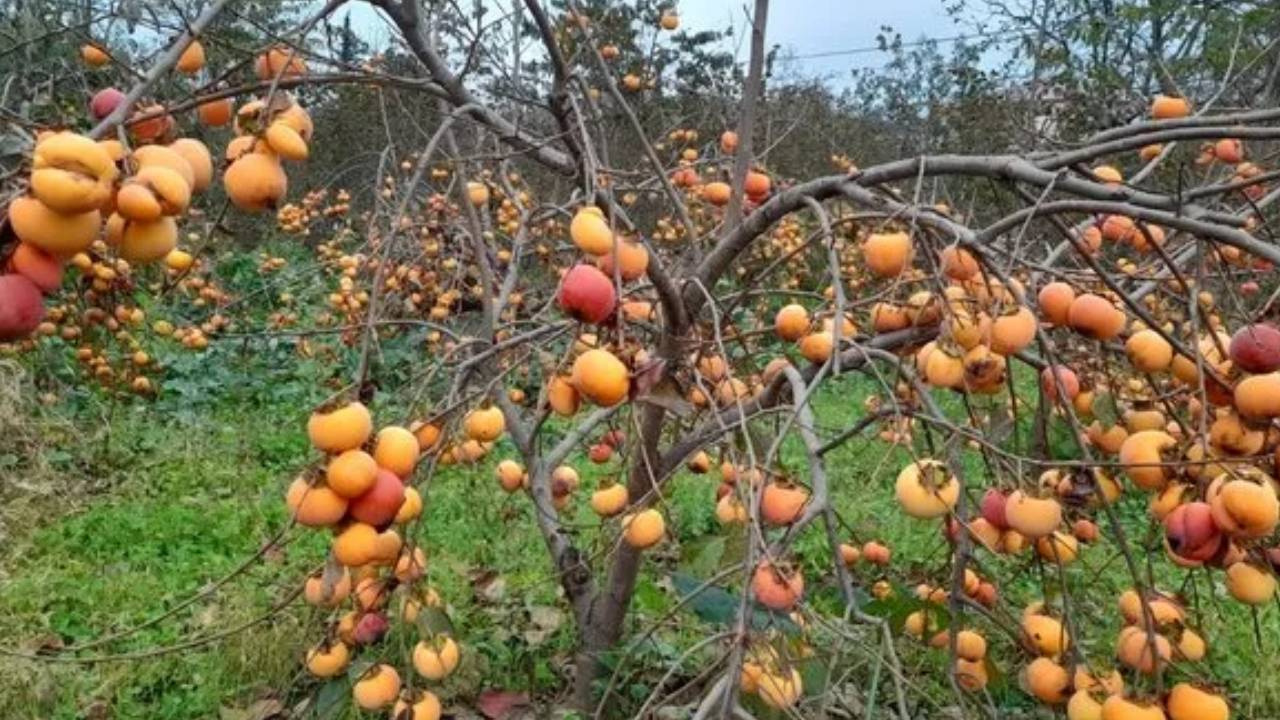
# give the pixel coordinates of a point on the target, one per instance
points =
(498, 704)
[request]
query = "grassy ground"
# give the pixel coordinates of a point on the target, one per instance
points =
(132, 508)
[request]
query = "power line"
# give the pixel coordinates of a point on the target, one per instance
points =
(913, 43)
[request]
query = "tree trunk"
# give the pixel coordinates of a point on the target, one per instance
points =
(607, 614)
(747, 121)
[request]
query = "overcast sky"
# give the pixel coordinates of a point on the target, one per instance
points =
(806, 27)
(802, 27)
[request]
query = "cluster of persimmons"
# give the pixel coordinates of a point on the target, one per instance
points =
(1180, 405)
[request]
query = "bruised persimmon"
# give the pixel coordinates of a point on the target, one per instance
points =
(1045, 635)
(485, 424)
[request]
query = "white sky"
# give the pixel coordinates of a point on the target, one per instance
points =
(801, 27)
(806, 27)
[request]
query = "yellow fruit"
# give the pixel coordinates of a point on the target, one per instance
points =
(1083, 706)
(780, 690)
(1046, 635)
(59, 235)
(411, 508)
(1118, 707)
(314, 506)
(643, 529)
(601, 377)
(153, 191)
(255, 182)
(178, 260)
(887, 254)
(165, 156)
(286, 142)
(351, 473)
(1047, 680)
(927, 489)
(377, 688)
(396, 449)
(71, 173)
(1133, 648)
(356, 546)
(425, 707)
(1188, 702)
(315, 593)
(437, 659)
(477, 194)
(327, 659)
(142, 242)
(1250, 584)
(197, 156)
(485, 424)
(609, 500)
(1142, 455)
(191, 59)
(340, 429)
(590, 231)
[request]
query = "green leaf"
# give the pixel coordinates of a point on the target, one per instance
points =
(714, 604)
(706, 555)
(434, 621)
(331, 699)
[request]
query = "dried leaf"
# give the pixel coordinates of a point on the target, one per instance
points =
(488, 586)
(667, 396)
(648, 376)
(499, 704)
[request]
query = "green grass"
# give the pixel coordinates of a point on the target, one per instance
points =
(188, 487)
